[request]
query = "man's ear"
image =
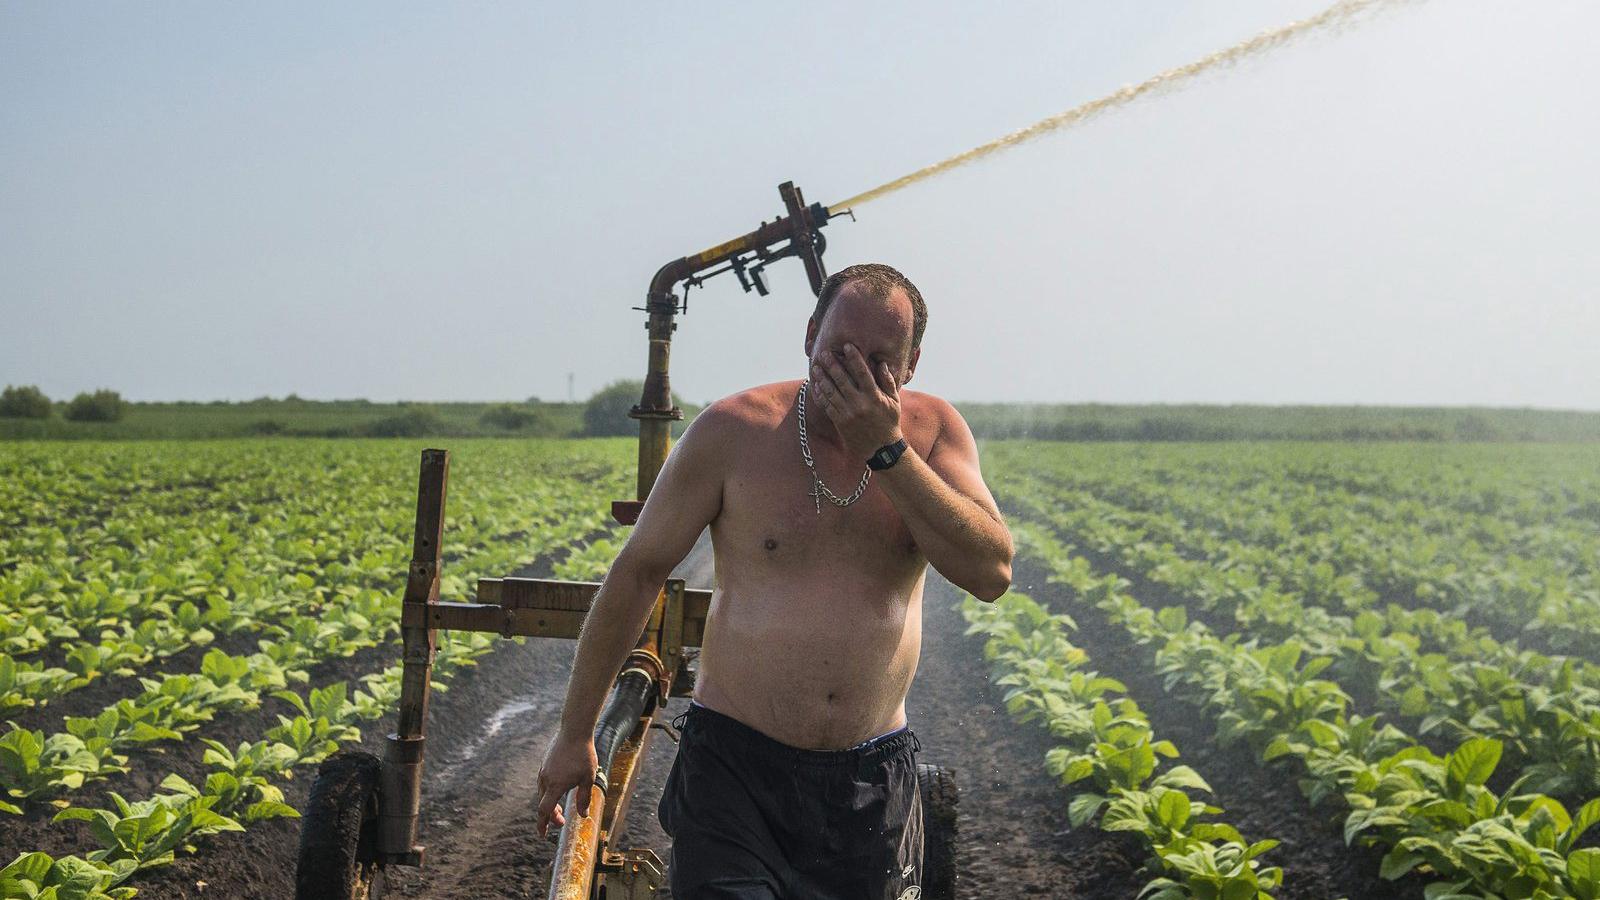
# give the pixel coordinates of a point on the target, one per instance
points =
(911, 367)
(811, 336)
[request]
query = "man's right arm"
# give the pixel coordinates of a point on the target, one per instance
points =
(686, 497)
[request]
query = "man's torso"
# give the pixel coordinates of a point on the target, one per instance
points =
(816, 622)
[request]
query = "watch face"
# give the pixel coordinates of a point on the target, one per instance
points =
(887, 455)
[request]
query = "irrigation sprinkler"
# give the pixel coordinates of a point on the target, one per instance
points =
(796, 233)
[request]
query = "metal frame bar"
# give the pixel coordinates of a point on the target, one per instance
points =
(400, 792)
(542, 607)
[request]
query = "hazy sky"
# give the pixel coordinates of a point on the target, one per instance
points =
(205, 200)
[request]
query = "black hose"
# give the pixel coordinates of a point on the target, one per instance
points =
(629, 696)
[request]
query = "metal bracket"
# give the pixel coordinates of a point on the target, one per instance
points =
(632, 875)
(672, 633)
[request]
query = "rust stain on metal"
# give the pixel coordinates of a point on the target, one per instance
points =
(578, 849)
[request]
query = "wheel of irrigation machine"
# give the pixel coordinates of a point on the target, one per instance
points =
(937, 785)
(338, 831)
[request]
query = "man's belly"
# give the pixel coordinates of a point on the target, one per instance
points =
(816, 670)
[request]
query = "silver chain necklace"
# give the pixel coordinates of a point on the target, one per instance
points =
(818, 489)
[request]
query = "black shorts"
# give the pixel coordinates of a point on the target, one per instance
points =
(751, 817)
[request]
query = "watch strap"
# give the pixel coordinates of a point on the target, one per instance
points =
(887, 455)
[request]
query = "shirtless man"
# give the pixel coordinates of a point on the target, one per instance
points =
(796, 772)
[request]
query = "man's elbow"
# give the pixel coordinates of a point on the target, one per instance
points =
(633, 572)
(994, 583)
(997, 580)
(650, 579)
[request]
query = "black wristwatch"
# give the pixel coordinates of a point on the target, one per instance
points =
(887, 455)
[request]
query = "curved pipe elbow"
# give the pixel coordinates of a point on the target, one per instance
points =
(669, 275)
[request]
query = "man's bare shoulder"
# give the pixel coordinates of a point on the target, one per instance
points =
(762, 407)
(929, 411)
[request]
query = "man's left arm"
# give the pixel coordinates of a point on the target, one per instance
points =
(950, 511)
(943, 499)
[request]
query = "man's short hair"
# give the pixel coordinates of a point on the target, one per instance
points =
(880, 281)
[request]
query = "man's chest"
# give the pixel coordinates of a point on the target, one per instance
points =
(771, 512)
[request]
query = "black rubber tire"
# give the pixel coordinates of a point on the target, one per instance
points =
(940, 798)
(338, 831)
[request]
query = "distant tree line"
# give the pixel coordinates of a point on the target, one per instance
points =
(28, 402)
(26, 412)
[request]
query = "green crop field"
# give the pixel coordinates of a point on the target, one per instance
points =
(1411, 631)
(1403, 636)
(168, 584)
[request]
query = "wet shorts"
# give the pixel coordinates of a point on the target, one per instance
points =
(751, 817)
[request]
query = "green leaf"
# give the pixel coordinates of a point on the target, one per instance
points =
(1397, 862)
(29, 867)
(1216, 832)
(1587, 816)
(1472, 763)
(77, 879)
(1414, 701)
(1184, 778)
(1083, 808)
(1260, 847)
(1173, 809)
(1163, 889)
(179, 785)
(270, 809)
(1583, 872)
(1077, 769)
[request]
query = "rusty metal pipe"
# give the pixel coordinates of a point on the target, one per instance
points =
(572, 877)
(643, 678)
(655, 410)
(579, 845)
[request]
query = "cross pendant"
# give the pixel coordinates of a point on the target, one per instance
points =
(816, 491)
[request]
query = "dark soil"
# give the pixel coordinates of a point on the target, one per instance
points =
(90, 699)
